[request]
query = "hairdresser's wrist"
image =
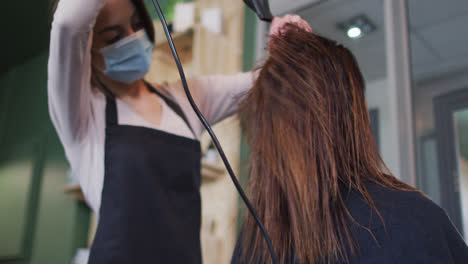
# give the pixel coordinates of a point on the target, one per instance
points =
(77, 15)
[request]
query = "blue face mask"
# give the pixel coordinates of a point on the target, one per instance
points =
(129, 59)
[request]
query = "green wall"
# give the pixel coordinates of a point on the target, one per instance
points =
(46, 224)
(248, 61)
(25, 31)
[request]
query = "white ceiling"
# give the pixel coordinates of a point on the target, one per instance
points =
(438, 34)
(282, 6)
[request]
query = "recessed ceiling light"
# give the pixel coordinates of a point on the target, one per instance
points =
(354, 32)
(357, 27)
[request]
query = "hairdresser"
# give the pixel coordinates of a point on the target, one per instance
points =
(133, 145)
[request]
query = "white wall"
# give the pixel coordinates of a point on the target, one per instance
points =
(377, 97)
(279, 7)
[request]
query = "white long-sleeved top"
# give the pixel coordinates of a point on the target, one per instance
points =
(78, 111)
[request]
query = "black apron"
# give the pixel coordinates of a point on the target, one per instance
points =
(150, 209)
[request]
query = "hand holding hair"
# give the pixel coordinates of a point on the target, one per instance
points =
(278, 24)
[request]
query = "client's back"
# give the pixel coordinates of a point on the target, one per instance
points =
(316, 178)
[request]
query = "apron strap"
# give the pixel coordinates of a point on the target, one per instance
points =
(111, 106)
(111, 111)
(173, 105)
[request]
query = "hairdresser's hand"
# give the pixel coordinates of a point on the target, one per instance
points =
(278, 24)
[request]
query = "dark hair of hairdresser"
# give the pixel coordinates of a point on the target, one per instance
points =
(307, 123)
(142, 12)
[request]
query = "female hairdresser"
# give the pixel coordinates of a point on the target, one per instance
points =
(317, 180)
(133, 145)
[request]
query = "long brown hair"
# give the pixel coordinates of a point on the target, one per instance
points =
(307, 123)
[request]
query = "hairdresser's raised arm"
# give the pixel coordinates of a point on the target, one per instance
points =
(217, 96)
(77, 14)
(69, 67)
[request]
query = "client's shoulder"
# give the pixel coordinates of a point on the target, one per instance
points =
(412, 227)
(405, 206)
(397, 207)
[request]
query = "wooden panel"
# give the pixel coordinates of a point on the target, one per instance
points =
(220, 54)
(220, 199)
(212, 54)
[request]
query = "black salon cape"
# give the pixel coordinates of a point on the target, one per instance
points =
(417, 231)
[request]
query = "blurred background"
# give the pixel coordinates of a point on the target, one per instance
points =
(413, 54)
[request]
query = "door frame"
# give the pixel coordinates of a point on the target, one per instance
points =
(444, 107)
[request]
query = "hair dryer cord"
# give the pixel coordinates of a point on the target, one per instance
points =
(210, 131)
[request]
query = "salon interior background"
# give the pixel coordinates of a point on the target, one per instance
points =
(413, 54)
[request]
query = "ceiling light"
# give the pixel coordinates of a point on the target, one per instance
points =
(357, 27)
(354, 32)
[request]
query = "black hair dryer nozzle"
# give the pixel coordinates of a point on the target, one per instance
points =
(261, 8)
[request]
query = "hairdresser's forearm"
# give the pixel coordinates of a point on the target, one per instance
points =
(221, 94)
(69, 90)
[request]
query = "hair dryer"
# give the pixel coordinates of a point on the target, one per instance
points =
(261, 8)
